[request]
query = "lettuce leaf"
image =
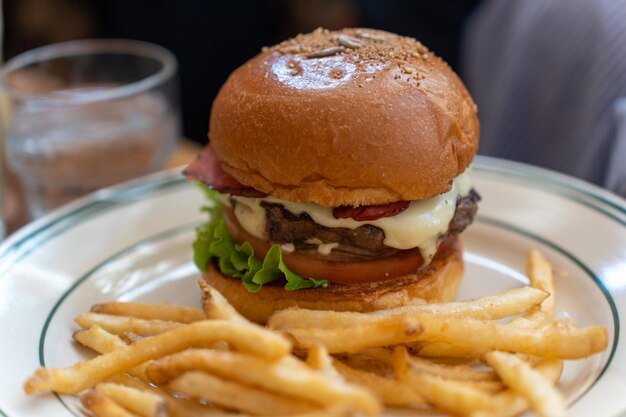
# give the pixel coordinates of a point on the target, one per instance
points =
(214, 242)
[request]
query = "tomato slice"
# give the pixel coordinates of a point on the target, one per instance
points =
(403, 263)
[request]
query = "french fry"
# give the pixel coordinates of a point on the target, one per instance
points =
(119, 324)
(199, 385)
(497, 306)
(319, 359)
(403, 362)
(541, 276)
(386, 331)
(130, 337)
(446, 350)
(215, 306)
(287, 376)
(478, 335)
(549, 341)
(447, 395)
(510, 404)
(142, 403)
(391, 391)
(102, 406)
(176, 407)
(367, 363)
(457, 372)
(245, 337)
(542, 396)
(162, 312)
(102, 341)
(99, 340)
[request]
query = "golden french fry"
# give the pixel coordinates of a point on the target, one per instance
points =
(163, 312)
(215, 306)
(287, 376)
(98, 339)
(542, 396)
(385, 331)
(548, 341)
(391, 391)
(142, 403)
(367, 363)
(120, 324)
(400, 362)
(176, 407)
(102, 406)
(319, 359)
(199, 385)
(446, 350)
(490, 307)
(405, 363)
(246, 337)
(509, 404)
(447, 395)
(457, 372)
(541, 276)
(497, 306)
(130, 337)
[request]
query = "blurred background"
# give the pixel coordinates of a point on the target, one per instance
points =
(549, 76)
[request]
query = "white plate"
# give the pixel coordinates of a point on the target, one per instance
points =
(133, 243)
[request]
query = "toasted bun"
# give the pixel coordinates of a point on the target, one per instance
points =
(437, 282)
(375, 120)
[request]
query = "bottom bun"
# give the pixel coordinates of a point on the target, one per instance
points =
(439, 281)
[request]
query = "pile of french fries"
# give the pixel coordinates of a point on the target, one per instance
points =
(458, 358)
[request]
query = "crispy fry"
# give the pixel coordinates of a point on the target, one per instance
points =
(215, 306)
(391, 391)
(549, 341)
(246, 337)
(102, 406)
(98, 339)
(371, 364)
(200, 385)
(119, 324)
(541, 276)
(477, 335)
(318, 358)
(163, 311)
(130, 337)
(542, 396)
(497, 306)
(385, 331)
(142, 403)
(446, 350)
(288, 376)
(447, 395)
(101, 341)
(509, 404)
(457, 372)
(176, 407)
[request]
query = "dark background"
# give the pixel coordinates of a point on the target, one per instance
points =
(211, 38)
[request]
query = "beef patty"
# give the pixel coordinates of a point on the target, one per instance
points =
(363, 242)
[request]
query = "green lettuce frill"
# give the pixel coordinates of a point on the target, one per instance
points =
(214, 243)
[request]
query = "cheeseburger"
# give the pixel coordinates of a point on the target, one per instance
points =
(337, 174)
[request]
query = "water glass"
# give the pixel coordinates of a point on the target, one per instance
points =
(88, 114)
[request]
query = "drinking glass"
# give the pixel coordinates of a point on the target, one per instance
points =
(88, 114)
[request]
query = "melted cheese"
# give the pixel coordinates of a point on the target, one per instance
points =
(419, 225)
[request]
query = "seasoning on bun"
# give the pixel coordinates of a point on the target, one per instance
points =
(337, 173)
